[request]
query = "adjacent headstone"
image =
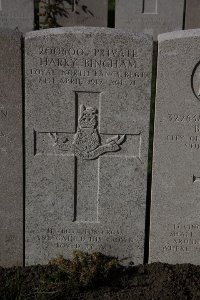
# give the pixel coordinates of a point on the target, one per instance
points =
(87, 123)
(175, 224)
(17, 14)
(11, 151)
(76, 13)
(150, 16)
(192, 14)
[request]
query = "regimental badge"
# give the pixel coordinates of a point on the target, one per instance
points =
(87, 140)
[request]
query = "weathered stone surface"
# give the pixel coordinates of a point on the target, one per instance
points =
(11, 151)
(17, 14)
(175, 225)
(87, 119)
(192, 14)
(80, 13)
(149, 16)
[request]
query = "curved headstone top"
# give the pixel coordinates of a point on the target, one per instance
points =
(86, 30)
(192, 33)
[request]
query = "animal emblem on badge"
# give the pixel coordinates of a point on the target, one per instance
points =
(87, 140)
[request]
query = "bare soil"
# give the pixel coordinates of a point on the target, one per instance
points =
(153, 282)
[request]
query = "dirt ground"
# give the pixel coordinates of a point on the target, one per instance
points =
(153, 282)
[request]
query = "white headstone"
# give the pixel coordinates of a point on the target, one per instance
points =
(175, 208)
(87, 126)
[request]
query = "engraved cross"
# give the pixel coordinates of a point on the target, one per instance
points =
(87, 145)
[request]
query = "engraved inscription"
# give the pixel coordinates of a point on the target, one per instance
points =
(84, 238)
(190, 140)
(183, 238)
(150, 7)
(180, 118)
(78, 66)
